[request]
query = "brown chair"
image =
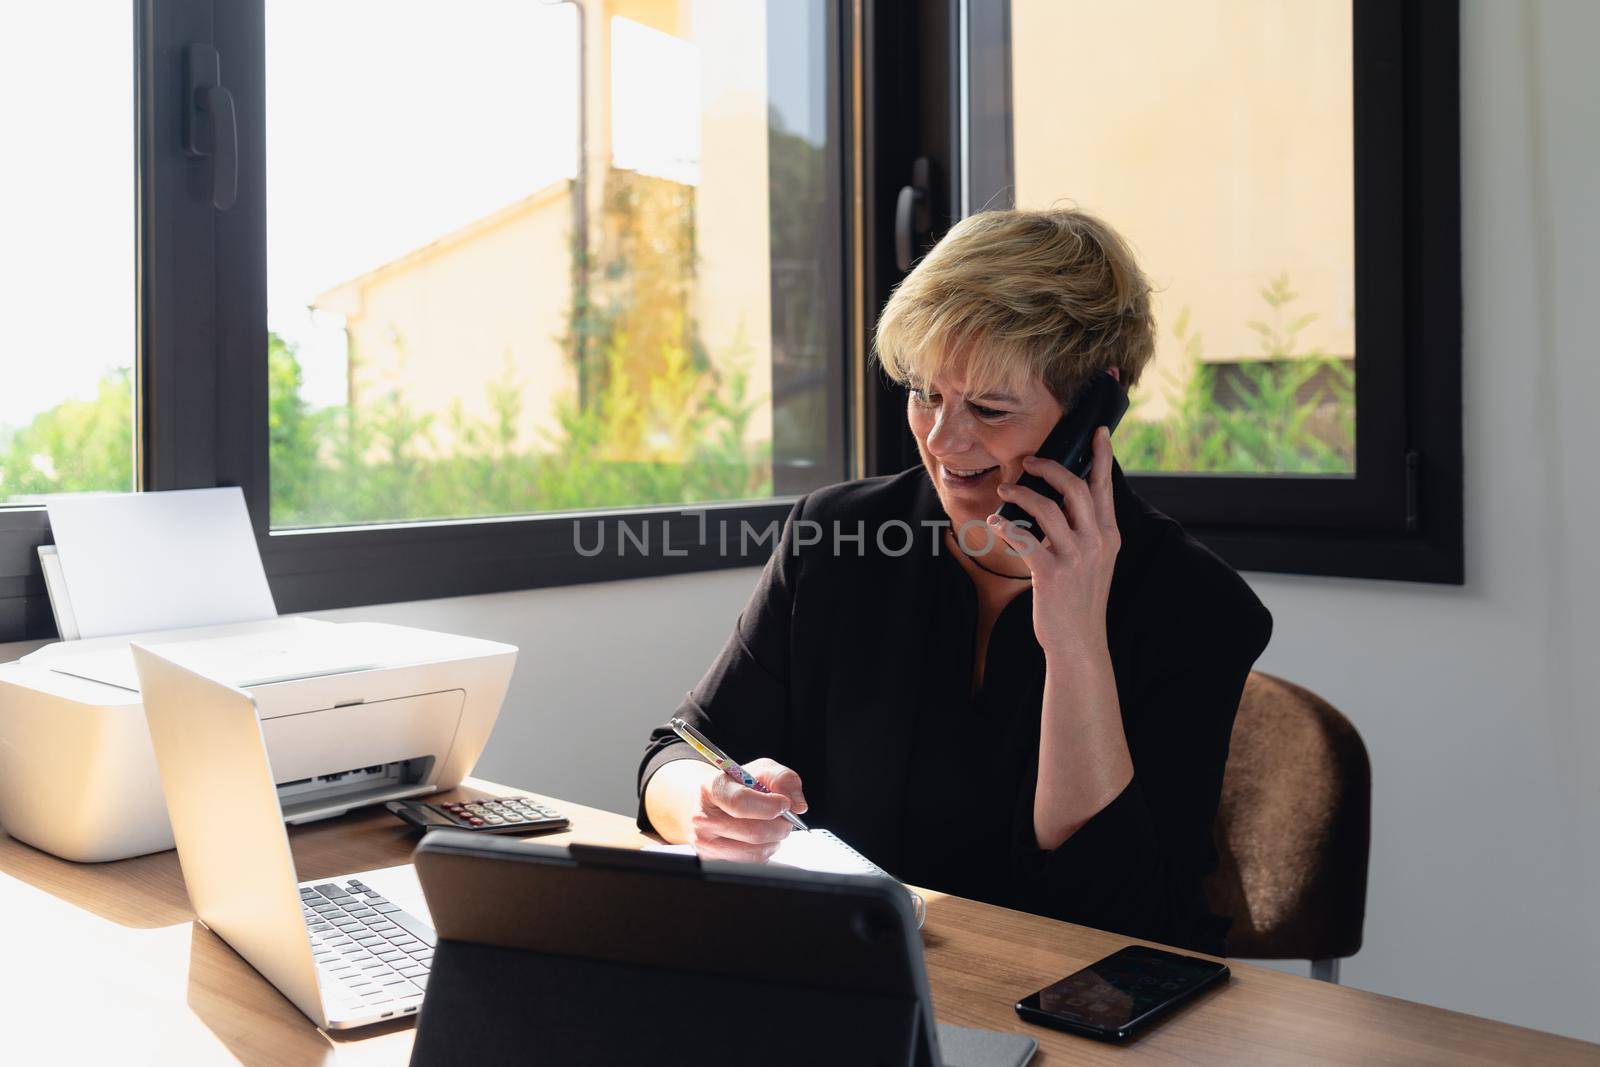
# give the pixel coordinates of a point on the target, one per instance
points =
(1293, 829)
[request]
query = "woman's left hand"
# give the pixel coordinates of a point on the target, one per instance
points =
(1072, 568)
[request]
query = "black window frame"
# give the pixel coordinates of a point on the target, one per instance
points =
(1400, 516)
(895, 97)
(201, 382)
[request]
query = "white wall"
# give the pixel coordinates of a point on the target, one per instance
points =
(1477, 704)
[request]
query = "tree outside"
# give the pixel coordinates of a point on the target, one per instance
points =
(77, 446)
(1289, 411)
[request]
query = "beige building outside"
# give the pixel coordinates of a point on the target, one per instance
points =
(490, 302)
(1217, 136)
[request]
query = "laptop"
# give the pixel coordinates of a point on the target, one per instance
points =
(347, 951)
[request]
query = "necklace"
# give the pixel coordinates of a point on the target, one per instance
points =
(976, 562)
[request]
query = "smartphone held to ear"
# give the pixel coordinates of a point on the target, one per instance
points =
(1071, 443)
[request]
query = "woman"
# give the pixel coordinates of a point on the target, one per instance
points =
(1040, 722)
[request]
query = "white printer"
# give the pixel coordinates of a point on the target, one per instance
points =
(408, 712)
(353, 713)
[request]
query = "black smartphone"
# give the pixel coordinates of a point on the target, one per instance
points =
(1119, 995)
(1071, 443)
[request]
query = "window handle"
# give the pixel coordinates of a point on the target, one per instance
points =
(911, 216)
(912, 221)
(210, 129)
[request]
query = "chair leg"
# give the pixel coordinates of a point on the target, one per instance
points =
(1325, 970)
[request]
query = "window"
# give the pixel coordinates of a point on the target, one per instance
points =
(535, 273)
(528, 258)
(444, 286)
(437, 284)
(1278, 168)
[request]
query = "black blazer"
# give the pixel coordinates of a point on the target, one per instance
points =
(852, 663)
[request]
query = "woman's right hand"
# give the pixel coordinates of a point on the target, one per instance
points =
(731, 821)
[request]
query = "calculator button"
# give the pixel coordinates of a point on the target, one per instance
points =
(475, 821)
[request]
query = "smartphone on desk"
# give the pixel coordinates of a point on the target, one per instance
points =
(1115, 997)
(1102, 402)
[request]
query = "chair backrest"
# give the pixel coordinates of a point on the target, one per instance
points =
(1293, 827)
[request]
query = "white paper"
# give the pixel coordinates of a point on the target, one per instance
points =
(822, 852)
(809, 850)
(159, 561)
(55, 584)
(819, 850)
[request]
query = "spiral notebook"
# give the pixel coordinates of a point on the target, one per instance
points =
(820, 851)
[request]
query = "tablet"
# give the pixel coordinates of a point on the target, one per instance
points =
(583, 954)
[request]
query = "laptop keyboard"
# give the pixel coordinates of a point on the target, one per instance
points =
(369, 953)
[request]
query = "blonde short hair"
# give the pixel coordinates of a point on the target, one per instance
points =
(1052, 293)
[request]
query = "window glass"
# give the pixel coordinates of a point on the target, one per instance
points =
(1217, 136)
(469, 315)
(68, 293)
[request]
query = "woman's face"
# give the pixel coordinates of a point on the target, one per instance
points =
(971, 442)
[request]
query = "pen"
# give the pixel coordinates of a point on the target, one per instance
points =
(719, 759)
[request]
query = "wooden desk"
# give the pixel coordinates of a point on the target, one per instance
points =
(105, 963)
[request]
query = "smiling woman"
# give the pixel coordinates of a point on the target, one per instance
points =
(996, 332)
(1075, 690)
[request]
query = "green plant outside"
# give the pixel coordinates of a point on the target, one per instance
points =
(375, 464)
(77, 446)
(1294, 412)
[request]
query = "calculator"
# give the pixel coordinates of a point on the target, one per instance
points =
(492, 815)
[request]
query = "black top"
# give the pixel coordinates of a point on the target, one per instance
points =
(852, 663)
